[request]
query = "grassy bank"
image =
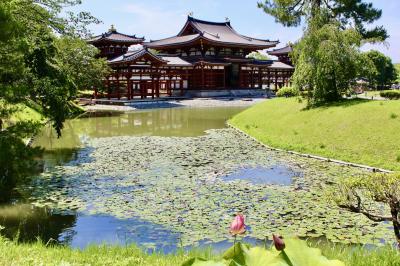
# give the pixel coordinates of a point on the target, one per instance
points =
(357, 131)
(12, 253)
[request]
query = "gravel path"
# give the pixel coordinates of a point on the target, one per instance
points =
(205, 102)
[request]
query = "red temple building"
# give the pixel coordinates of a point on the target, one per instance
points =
(283, 54)
(113, 43)
(203, 59)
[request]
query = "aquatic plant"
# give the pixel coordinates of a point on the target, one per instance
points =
(293, 252)
(238, 226)
(180, 184)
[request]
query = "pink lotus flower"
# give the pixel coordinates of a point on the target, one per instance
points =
(278, 242)
(238, 227)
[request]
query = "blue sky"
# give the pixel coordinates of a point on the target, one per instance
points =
(156, 19)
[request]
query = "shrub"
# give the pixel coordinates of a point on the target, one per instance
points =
(287, 92)
(391, 95)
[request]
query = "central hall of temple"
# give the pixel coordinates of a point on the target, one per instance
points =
(204, 59)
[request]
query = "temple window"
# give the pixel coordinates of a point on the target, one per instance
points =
(194, 52)
(211, 51)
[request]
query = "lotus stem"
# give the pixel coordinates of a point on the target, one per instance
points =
(287, 258)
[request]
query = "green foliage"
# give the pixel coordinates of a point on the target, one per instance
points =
(258, 56)
(391, 95)
(380, 70)
(78, 61)
(326, 61)
(12, 253)
(297, 252)
(358, 131)
(287, 92)
(397, 66)
(377, 196)
(40, 57)
(349, 12)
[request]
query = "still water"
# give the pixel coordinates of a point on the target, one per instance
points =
(79, 230)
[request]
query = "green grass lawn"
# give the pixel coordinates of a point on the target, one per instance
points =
(358, 131)
(23, 113)
(26, 113)
(12, 253)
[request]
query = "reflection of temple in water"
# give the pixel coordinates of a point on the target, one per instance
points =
(161, 122)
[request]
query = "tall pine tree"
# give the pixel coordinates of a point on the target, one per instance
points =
(355, 13)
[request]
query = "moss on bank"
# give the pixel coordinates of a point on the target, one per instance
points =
(358, 131)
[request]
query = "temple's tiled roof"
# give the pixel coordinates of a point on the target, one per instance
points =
(220, 33)
(178, 40)
(280, 65)
(113, 36)
(133, 55)
(285, 50)
(175, 61)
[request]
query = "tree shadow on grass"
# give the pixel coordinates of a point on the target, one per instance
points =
(341, 103)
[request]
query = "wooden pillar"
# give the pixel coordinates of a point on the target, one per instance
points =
(252, 78)
(181, 86)
(128, 87)
(276, 80)
(224, 78)
(118, 94)
(152, 83)
(260, 78)
(202, 76)
(158, 86)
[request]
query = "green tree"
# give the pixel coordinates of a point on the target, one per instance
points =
(36, 71)
(258, 56)
(78, 61)
(382, 72)
(349, 12)
(326, 61)
(377, 196)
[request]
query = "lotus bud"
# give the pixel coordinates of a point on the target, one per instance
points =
(278, 242)
(238, 226)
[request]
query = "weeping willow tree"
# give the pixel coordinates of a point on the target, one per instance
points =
(327, 60)
(327, 57)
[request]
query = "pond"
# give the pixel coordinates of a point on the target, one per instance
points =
(173, 178)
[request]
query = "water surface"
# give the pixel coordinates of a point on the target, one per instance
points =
(79, 230)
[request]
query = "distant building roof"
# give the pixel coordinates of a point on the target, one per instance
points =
(281, 51)
(280, 65)
(114, 36)
(216, 32)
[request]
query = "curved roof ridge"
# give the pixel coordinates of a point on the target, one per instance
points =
(208, 22)
(135, 55)
(174, 37)
(250, 38)
(117, 37)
